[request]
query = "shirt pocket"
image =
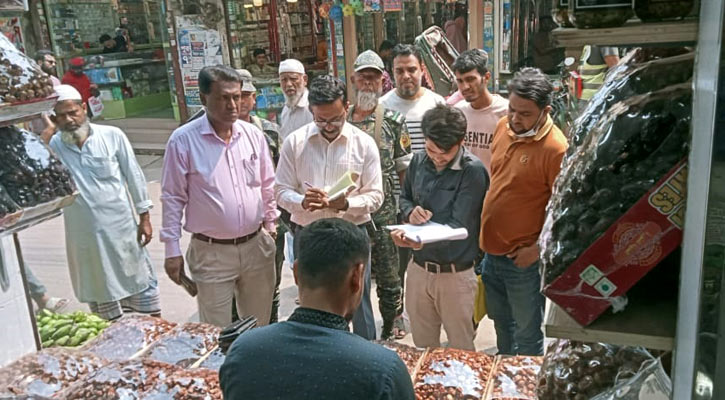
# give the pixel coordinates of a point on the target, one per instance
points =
(251, 172)
(441, 201)
(102, 167)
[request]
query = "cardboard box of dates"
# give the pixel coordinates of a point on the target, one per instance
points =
(617, 206)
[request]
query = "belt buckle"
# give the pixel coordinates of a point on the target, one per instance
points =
(437, 266)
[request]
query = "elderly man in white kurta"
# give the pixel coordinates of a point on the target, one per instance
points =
(110, 268)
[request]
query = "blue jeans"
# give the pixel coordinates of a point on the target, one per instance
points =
(35, 288)
(515, 304)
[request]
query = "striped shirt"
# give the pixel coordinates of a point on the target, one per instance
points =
(413, 111)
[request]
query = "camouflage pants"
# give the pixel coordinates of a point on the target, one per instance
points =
(384, 263)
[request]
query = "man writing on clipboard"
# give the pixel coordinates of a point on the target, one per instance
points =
(445, 184)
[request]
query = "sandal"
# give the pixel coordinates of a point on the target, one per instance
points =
(56, 304)
(399, 328)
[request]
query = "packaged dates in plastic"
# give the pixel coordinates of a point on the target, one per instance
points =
(643, 70)
(659, 10)
(410, 355)
(21, 79)
(30, 172)
(623, 156)
(194, 384)
(579, 371)
(213, 360)
(184, 345)
(128, 336)
(586, 14)
(47, 372)
(120, 380)
(515, 377)
(651, 383)
(450, 374)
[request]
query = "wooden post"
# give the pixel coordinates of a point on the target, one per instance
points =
(174, 48)
(378, 30)
(475, 24)
(349, 42)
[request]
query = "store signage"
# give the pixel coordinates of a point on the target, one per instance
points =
(392, 5)
(198, 47)
(583, 4)
(630, 248)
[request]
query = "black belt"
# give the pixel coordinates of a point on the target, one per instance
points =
(295, 228)
(239, 240)
(443, 268)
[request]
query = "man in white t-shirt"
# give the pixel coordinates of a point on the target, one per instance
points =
(482, 109)
(411, 100)
(409, 97)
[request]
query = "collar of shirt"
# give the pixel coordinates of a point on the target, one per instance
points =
(319, 318)
(543, 131)
(368, 119)
(456, 164)
(73, 146)
(303, 102)
(207, 129)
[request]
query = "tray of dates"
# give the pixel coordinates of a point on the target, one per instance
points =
(514, 378)
(452, 374)
(213, 360)
(119, 380)
(184, 345)
(47, 372)
(411, 356)
(129, 336)
(196, 384)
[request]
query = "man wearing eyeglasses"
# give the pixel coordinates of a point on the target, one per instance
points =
(314, 158)
(218, 171)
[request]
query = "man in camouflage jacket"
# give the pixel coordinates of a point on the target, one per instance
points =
(388, 129)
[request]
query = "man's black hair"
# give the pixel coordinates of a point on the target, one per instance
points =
(40, 55)
(405, 50)
(104, 38)
(216, 73)
(471, 59)
(386, 45)
(326, 89)
(326, 251)
(257, 52)
(444, 125)
(531, 84)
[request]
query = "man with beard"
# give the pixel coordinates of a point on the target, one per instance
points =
(482, 109)
(295, 113)
(388, 129)
(218, 177)
(525, 159)
(313, 355)
(42, 125)
(317, 156)
(109, 266)
(47, 63)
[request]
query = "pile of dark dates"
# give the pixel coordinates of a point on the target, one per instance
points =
(451, 374)
(185, 345)
(20, 78)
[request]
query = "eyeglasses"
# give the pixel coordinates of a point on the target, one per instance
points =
(337, 122)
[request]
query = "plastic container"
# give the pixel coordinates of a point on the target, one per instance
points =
(184, 345)
(591, 14)
(128, 336)
(560, 13)
(453, 374)
(660, 10)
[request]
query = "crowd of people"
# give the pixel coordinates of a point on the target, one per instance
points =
(238, 183)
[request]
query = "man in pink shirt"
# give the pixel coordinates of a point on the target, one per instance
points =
(218, 172)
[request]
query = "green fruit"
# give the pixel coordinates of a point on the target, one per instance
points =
(73, 330)
(74, 341)
(62, 341)
(44, 320)
(46, 313)
(48, 343)
(45, 333)
(61, 332)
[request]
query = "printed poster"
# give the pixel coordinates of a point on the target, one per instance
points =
(198, 47)
(10, 27)
(392, 5)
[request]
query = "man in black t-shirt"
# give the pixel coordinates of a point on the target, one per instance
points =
(113, 45)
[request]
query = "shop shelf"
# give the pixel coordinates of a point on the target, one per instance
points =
(631, 34)
(34, 215)
(18, 112)
(650, 324)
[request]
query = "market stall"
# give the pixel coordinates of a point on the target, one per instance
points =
(34, 186)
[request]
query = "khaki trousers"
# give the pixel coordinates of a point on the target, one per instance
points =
(224, 271)
(444, 299)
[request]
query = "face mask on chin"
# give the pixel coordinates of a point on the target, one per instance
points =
(531, 132)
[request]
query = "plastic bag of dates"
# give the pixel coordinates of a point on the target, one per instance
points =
(640, 71)
(20, 77)
(213, 360)
(185, 344)
(195, 384)
(47, 372)
(580, 371)
(515, 377)
(410, 355)
(451, 374)
(30, 172)
(119, 380)
(128, 336)
(651, 382)
(628, 151)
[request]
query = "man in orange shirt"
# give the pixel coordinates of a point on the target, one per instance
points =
(525, 159)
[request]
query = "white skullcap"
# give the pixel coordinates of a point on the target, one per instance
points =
(67, 92)
(291, 65)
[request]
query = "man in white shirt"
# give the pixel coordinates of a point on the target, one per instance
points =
(315, 157)
(296, 113)
(409, 97)
(482, 109)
